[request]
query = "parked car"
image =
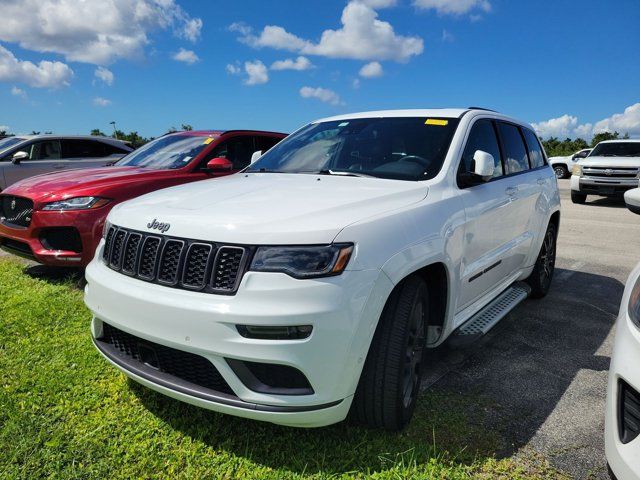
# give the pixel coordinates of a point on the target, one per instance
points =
(632, 200)
(622, 418)
(610, 170)
(562, 166)
(24, 156)
(311, 283)
(57, 219)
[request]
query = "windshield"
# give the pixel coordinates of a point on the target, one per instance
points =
(170, 152)
(617, 149)
(406, 148)
(9, 141)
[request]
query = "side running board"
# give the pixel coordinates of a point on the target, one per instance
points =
(485, 319)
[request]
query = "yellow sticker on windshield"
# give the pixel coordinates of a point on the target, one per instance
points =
(436, 121)
(208, 141)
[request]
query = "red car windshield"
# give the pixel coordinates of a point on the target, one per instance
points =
(165, 153)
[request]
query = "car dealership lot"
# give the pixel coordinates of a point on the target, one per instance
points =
(543, 370)
(535, 385)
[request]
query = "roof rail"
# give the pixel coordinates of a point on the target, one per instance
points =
(482, 108)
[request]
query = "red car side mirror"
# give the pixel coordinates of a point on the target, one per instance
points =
(219, 165)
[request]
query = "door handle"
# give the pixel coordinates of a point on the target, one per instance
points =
(542, 181)
(511, 191)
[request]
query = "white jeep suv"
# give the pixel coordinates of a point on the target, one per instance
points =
(309, 285)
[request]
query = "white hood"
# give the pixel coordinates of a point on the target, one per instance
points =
(267, 208)
(610, 162)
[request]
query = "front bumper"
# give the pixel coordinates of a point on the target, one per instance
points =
(602, 186)
(28, 241)
(343, 311)
(624, 459)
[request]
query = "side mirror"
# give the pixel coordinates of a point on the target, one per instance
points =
(219, 165)
(256, 156)
(632, 199)
(483, 165)
(18, 157)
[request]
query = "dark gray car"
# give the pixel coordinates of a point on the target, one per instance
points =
(24, 156)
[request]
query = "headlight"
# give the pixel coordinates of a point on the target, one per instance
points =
(77, 203)
(576, 170)
(303, 261)
(634, 303)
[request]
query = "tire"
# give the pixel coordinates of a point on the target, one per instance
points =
(542, 274)
(578, 198)
(390, 381)
(561, 171)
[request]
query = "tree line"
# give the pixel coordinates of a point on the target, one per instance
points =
(563, 148)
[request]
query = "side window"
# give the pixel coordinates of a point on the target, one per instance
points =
(482, 137)
(514, 150)
(114, 150)
(237, 150)
(45, 150)
(535, 150)
(82, 149)
(265, 143)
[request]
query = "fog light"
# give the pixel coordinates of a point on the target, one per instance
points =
(296, 332)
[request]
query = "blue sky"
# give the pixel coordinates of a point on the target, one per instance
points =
(572, 67)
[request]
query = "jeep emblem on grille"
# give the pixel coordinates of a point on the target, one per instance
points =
(156, 225)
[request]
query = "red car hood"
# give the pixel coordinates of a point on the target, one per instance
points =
(69, 183)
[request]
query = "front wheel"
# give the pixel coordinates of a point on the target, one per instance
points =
(390, 381)
(540, 278)
(561, 171)
(578, 198)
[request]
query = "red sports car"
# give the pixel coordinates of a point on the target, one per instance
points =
(57, 219)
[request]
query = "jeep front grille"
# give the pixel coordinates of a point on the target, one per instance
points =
(176, 262)
(16, 211)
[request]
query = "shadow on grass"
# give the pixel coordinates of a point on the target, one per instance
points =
(57, 275)
(444, 426)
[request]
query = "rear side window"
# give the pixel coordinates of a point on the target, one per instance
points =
(535, 150)
(82, 149)
(514, 150)
(114, 150)
(482, 137)
(237, 150)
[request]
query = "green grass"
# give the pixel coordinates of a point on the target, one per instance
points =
(65, 413)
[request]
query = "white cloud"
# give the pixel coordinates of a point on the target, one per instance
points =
(18, 92)
(186, 56)
(300, 63)
(97, 32)
(453, 7)
(447, 36)
(233, 69)
(105, 75)
(379, 3)
(4, 128)
(256, 73)
(323, 94)
(568, 126)
(355, 83)
(101, 102)
(43, 75)
(362, 37)
(371, 70)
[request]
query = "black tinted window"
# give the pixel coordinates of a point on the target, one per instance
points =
(482, 137)
(514, 149)
(114, 150)
(535, 150)
(617, 149)
(82, 149)
(237, 150)
(265, 143)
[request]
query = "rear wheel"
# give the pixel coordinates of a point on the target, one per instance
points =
(561, 171)
(542, 274)
(579, 198)
(390, 381)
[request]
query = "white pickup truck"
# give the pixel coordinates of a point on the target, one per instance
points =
(562, 166)
(309, 285)
(612, 168)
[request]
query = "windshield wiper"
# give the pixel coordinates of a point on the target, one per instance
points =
(341, 173)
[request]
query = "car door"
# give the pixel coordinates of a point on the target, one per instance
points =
(84, 153)
(43, 156)
(489, 217)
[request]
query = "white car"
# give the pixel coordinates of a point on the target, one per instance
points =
(612, 168)
(309, 285)
(622, 420)
(562, 166)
